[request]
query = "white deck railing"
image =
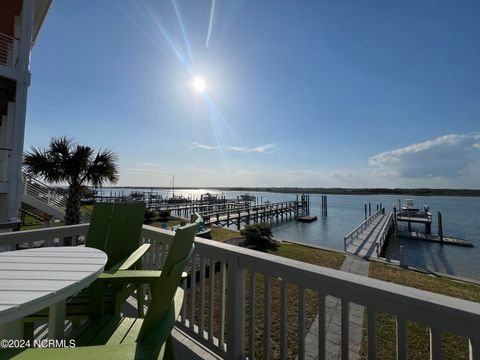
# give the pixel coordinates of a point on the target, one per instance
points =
(8, 50)
(222, 324)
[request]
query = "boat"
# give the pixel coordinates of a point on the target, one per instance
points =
(209, 198)
(246, 197)
(174, 199)
(408, 207)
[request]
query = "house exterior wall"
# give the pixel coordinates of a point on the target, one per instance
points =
(16, 42)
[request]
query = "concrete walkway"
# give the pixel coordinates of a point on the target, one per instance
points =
(354, 265)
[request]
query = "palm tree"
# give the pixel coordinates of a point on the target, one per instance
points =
(64, 161)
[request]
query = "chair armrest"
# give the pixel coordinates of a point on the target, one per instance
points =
(132, 259)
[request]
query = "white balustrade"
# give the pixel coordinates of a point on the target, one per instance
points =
(224, 306)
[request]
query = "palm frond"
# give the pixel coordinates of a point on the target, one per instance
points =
(103, 169)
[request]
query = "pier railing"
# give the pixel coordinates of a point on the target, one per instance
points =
(384, 233)
(352, 235)
(279, 205)
(235, 288)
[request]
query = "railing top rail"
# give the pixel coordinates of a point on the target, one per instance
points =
(35, 180)
(17, 237)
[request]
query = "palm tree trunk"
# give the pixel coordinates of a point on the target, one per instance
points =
(72, 211)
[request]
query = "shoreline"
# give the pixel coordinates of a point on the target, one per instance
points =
(325, 191)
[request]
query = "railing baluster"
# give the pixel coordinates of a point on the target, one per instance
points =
(202, 295)
(266, 316)
(223, 273)
(211, 298)
(401, 338)
(345, 328)
(371, 333)
(184, 304)
(152, 254)
(435, 344)
(283, 319)
(236, 309)
(474, 349)
(321, 326)
(251, 315)
(193, 285)
(301, 322)
(162, 254)
(158, 256)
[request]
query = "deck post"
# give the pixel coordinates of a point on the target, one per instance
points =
(365, 211)
(440, 227)
(235, 309)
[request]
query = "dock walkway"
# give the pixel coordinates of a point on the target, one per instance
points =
(368, 238)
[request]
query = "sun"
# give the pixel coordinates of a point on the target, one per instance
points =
(199, 84)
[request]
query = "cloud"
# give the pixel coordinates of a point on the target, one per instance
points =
(202, 146)
(446, 157)
(258, 149)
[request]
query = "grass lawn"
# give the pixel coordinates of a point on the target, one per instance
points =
(293, 251)
(418, 341)
(31, 223)
(223, 234)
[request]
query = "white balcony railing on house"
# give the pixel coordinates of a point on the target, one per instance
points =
(8, 50)
(223, 324)
(50, 196)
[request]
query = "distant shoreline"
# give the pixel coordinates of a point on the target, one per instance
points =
(330, 191)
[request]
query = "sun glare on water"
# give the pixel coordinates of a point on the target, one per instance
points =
(199, 84)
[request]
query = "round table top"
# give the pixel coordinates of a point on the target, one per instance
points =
(33, 279)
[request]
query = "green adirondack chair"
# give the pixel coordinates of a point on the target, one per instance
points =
(108, 337)
(115, 228)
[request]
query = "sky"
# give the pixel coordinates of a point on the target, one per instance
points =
(297, 93)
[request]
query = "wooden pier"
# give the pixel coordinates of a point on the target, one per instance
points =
(264, 213)
(368, 239)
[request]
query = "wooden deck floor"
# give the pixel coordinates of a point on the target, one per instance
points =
(184, 346)
(365, 244)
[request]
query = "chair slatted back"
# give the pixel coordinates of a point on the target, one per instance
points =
(125, 229)
(164, 289)
(115, 229)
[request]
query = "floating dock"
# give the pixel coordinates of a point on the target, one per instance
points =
(307, 218)
(447, 240)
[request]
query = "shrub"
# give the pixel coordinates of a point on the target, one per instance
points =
(258, 236)
(149, 215)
